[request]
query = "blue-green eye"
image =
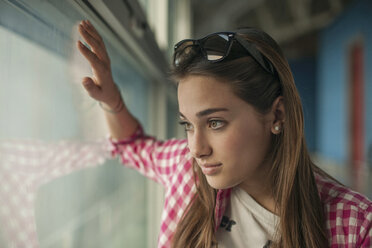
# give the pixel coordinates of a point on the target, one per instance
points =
(216, 124)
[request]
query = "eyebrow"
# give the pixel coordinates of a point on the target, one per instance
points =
(206, 112)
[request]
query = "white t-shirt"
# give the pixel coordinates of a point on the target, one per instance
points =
(246, 223)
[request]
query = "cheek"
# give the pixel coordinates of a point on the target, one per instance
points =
(248, 143)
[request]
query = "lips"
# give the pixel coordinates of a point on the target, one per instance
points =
(210, 169)
(210, 165)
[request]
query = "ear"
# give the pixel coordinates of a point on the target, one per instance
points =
(278, 112)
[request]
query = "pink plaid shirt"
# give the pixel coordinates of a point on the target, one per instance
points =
(349, 214)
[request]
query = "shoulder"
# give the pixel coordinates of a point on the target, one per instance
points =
(333, 193)
(348, 213)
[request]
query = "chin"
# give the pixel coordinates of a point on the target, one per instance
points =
(219, 184)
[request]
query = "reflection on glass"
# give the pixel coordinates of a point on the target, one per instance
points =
(59, 186)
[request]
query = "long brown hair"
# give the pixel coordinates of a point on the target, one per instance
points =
(302, 221)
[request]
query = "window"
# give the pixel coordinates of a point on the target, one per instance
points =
(47, 125)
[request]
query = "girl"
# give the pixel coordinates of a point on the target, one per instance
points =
(243, 177)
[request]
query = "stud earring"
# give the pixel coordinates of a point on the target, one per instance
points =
(276, 128)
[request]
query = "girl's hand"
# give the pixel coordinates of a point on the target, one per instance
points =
(101, 85)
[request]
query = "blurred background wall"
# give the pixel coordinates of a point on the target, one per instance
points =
(328, 46)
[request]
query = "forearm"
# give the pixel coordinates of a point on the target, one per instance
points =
(121, 123)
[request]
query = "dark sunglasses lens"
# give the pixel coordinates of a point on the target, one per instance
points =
(216, 46)
(184, 52)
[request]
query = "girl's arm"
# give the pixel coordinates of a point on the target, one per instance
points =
(158, 160)
(101, 85)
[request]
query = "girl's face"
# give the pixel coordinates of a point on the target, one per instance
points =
(226, 136)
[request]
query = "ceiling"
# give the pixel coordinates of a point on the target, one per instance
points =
(294, 24)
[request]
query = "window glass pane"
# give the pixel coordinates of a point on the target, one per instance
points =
(45, 109)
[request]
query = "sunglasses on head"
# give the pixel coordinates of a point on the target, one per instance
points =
(216, 47)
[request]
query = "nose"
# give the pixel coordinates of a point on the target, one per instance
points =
(199, 145)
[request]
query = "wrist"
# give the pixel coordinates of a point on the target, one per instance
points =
(115, 100)
(115, 110)
(113, 107)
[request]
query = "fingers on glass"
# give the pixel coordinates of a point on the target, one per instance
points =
(88, 54)
(94, 40)
(92, 31)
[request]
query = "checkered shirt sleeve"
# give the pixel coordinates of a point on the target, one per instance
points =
(166, 162)
(154, 159)
(348, 213)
